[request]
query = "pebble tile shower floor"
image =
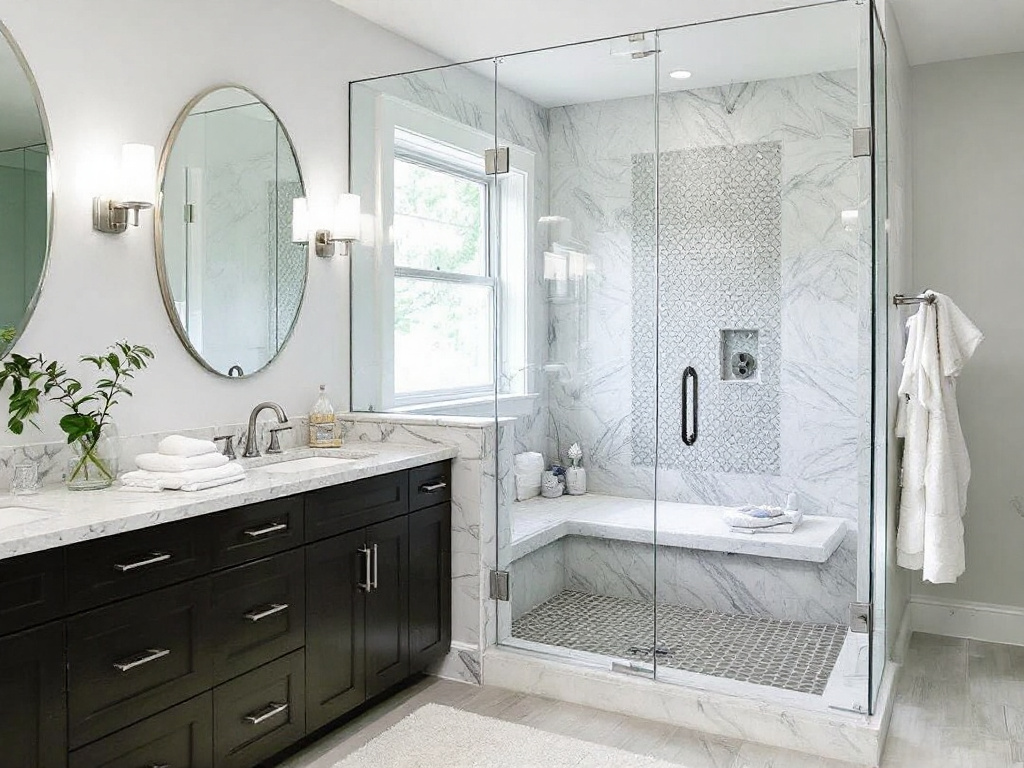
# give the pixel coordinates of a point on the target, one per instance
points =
(782, 654)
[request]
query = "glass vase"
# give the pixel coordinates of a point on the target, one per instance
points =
(94, 463)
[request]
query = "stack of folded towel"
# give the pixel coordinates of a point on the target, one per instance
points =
(182, 464)
(528, 469)
(762, 519)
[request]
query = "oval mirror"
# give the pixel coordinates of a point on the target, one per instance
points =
(231, 277)
(25, 201)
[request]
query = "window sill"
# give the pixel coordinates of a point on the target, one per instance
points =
(508, 405)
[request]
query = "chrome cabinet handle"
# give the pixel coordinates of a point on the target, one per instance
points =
(373, 583)
(367, 554)
(689, 437)
(258, 615)
(273, 709)
(272, 528)
(433, 487)
(152, 559)
(150, 654)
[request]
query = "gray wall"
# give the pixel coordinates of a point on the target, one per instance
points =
(968, 164)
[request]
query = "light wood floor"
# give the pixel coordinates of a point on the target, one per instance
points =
(959, 704)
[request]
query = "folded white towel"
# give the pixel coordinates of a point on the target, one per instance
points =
(734, 518)
(777, 528)
(159, 462)
(205, 486)
(181, 481)
(178, 445)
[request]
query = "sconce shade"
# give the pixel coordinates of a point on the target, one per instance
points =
(300, 220)
(138, 175)
(348, 218)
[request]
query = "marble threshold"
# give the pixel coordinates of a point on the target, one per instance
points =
(719, 707)
(538, 522)
(56, 517)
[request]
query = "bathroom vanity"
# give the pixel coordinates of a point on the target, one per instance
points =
(218, 629)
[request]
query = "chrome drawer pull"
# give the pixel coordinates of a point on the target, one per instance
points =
(373, 582)
(272, 528)
(272, 710)
(153, 559)
(150, 654)
(433, 487)
(367, 583)
(270, 610)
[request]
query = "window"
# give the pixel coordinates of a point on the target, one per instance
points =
(444, 282)
(451, 284)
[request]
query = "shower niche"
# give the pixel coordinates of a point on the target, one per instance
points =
(740, 355)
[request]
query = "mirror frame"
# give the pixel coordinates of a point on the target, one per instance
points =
(7, 36)
(158, 231)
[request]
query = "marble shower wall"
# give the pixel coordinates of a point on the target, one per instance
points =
(820, 328)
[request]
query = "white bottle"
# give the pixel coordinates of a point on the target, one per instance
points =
(323, 428)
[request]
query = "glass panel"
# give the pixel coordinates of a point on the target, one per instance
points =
(442, 338)
(584, 138)
(764, 308)
(880, 232)
(440, 220)
(417, 161)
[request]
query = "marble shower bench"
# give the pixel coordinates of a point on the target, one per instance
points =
(602, 545)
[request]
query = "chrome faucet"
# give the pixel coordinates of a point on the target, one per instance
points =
(252, 448)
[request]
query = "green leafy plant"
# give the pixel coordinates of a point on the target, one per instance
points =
(7, 334)
(36, 378)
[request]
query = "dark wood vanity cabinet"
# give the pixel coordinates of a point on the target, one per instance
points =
(219, 641)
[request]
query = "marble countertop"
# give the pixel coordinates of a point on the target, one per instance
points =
(538, 522)
(55, 517)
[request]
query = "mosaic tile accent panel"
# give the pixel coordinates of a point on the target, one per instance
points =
(289, 260)
(720, 269)
(782, 654)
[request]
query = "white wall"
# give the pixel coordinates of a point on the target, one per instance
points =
(110, 73)
(968, 136)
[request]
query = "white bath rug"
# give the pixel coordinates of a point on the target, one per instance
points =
(435, 736)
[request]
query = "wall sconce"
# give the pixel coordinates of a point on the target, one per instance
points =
(344, 226)
(137, 193)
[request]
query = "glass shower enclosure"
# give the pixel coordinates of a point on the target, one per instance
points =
(657, 262)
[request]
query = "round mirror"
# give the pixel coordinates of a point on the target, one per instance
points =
(25, 209)
(231, 277)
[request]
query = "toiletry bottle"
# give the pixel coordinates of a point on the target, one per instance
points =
(322, 427)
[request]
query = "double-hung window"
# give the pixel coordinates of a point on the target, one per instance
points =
(446, 277)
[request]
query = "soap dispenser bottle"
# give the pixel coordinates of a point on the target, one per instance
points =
(323, 429)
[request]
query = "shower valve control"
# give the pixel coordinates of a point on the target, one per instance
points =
(743, 365)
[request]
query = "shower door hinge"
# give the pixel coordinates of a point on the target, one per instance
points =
(863, 142)
(190, 213)
(499, 585)
(496, 161)
(860, 618)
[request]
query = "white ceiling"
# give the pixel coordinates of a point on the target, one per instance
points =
(942, 30)
(461, 30)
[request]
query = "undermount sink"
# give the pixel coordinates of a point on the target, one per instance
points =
(307, 464)
(20, 515)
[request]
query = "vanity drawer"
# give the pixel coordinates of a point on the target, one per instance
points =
(114, 567)
(249, 533)
(259, 714)
(430, 485)
(135, 658)
(180, 737)
(31, 590)
(258, 613)
(344, 508)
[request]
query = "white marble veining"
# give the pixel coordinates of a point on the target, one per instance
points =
(539, 521)
(75, 516)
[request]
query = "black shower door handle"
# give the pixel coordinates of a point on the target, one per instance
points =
(689, 435)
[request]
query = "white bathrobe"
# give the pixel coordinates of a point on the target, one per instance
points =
(936, 467)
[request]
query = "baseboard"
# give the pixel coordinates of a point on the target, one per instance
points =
(973, 621)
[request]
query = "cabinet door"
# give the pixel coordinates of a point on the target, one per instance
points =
(430, 585)
(387, 606)
(32, 714)
(335, 615)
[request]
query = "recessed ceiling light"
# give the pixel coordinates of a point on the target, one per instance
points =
(680, 74)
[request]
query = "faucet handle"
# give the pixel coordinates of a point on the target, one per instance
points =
(229, 445)
(275, 442)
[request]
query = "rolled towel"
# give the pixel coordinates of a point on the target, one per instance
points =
(186, 447)
(528, 468)
(195, 479)
(159, 462)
